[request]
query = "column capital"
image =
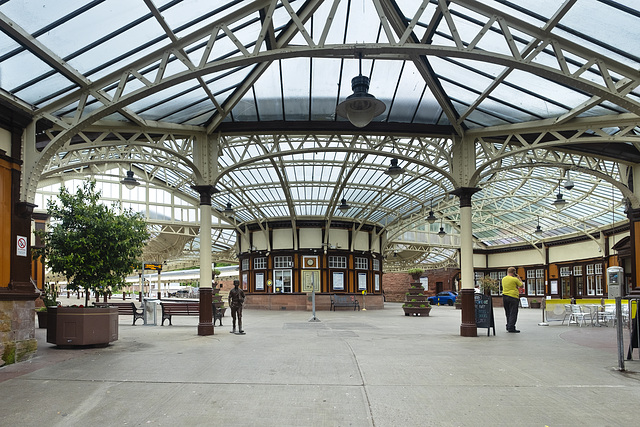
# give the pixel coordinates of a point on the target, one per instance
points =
(465, 193)
(205, 192)
(633, 215)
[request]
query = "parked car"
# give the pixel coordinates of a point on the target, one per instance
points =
(442, 298)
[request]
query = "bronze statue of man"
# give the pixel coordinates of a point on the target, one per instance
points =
(236, 300)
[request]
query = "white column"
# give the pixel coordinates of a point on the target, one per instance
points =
(205, 246)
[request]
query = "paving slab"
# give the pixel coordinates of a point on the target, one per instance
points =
(364, 368)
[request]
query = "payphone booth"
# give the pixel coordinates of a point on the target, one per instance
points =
(615, 281)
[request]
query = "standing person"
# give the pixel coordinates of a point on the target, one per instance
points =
(236, 300)
(511, 298)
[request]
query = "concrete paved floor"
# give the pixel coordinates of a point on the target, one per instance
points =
(368, 368)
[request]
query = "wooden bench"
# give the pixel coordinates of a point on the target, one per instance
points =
(191, 308)
(124, 308)
(344, 301)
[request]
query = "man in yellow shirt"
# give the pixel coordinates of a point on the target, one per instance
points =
(511, 298)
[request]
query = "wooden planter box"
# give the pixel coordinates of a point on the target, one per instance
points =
(42, 319)
(80, 326)
(417, 311)
(534, 304)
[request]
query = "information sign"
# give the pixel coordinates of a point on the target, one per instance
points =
(152, 266)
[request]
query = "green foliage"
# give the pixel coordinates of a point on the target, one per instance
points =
(93, 245)
(48, 296)
(487, 284)
(216, 272)
(415, 270)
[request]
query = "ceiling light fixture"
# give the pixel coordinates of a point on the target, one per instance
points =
(568, 184)
(129, 181)
(441, 233)
(228, 210)
(360, 107)
(538, 231)
(394, 170)
(344, 206)
(431, 218)
(559, 202)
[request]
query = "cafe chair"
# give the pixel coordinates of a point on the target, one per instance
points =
(578, 315)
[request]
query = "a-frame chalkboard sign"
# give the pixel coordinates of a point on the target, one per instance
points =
(484, 313)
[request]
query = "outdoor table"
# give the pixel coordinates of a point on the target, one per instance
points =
(593, 312)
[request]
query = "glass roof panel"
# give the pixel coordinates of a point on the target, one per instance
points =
(617, 28)
(29, 13)
(111, 15)
(7, 44)
(324, 91)
(195, 13)
(269, 98)
(118, 46)
(21, 68)
(43, 87)
(296, 88)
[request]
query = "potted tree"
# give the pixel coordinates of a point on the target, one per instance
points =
(415, 273)
(95, 246)
(489, 285)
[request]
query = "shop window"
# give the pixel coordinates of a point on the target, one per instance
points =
(337, 262)
(282, 262)
(282, 281)
(362, 263)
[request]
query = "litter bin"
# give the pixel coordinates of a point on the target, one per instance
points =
(151, 311)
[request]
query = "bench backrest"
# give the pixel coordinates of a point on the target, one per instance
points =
(182, 307)
(341, 299)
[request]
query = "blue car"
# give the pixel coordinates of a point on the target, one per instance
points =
(442, 298)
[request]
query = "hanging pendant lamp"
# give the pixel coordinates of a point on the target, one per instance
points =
(360, 107)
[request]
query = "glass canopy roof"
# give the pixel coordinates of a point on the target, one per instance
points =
(545, 91)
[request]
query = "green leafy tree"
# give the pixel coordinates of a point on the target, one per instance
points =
(92, 244)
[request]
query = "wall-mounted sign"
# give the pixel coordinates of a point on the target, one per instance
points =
(21, 247)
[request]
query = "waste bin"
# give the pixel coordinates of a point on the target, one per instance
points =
(151, 311)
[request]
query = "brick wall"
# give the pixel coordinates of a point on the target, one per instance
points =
(395, 284)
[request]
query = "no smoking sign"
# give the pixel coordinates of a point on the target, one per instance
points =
(21, 247)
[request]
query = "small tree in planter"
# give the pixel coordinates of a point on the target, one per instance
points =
(415, 272)
(489, 285)
(95, 247)
(92, 244)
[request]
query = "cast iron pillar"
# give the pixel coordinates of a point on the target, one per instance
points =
(205, 325)
(468, 327)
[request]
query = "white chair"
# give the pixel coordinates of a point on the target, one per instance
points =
(578, 315)
(567, 313)
(608, 314)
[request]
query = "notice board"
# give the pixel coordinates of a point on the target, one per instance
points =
(484, 313)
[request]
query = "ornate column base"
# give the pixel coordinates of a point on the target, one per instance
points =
(468, 327)
(205, 326)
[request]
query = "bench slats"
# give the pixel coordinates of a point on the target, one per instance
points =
(124, 308)
(185, 309)
(344, 301)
